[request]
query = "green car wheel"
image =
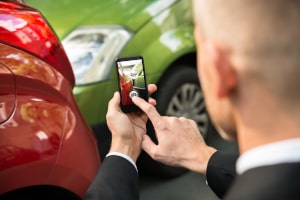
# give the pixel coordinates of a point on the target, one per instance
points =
(181, 95)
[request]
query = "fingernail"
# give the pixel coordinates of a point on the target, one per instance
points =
(134, 97)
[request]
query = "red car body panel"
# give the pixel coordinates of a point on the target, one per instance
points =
(44, 140)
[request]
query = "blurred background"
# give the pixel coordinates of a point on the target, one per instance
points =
(95, 32)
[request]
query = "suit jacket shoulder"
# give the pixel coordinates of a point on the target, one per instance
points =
(220, 172)
(273, 182)
(117, 179)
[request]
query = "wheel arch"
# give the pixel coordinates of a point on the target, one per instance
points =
(46, 192)
(188, 59)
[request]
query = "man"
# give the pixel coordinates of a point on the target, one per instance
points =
(249, 68)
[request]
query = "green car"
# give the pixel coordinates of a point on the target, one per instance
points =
(95, 32)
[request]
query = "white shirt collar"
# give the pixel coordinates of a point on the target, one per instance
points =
(287, 151)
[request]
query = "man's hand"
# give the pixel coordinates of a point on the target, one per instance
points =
(127, 129)
(179, 140)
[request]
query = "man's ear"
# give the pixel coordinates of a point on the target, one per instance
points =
(222, 69)
(197, 35)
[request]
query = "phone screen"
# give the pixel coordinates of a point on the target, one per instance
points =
(132, 81)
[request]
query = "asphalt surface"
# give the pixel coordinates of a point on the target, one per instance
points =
(190, 186)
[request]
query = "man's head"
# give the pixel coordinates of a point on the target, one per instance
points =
(247, 50)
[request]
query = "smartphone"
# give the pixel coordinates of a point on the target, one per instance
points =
(132, 81)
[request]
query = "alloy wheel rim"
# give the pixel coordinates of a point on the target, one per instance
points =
(188, 102)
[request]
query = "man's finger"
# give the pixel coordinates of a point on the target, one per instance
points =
(148, 109)
(148, 145)
(114, 103)
(151, 89)
(152, 101)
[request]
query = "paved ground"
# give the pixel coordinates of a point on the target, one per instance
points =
(190, 186)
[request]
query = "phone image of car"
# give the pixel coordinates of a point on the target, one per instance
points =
(47, 150)
(96, 32)
(132, 81)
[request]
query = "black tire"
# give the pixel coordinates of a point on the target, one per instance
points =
(179, 94)
(38, 193)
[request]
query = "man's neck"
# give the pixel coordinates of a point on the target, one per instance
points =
(273, 127)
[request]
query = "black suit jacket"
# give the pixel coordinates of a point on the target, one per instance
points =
(117, 179)
(276, 182)
(220, 172)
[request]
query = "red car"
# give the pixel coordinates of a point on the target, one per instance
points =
(47, 150)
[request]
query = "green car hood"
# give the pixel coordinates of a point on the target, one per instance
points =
(66, 15)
